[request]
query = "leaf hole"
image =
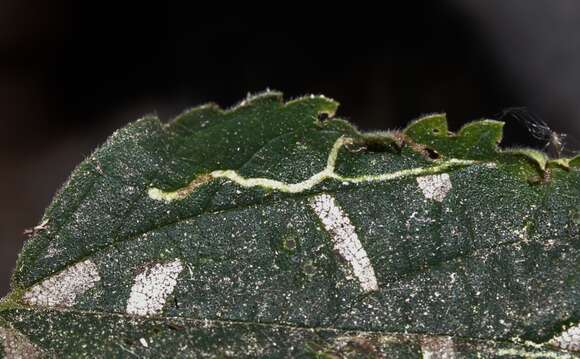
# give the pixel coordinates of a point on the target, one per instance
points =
(323, 116)
(432, 154)
(309, 268)
(290, 244)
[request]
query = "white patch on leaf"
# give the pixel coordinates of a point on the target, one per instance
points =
(152, 287)
(62, 289)
(16, 345)
(345, 240)
(438, 348)
(569, 339)
(435, 187)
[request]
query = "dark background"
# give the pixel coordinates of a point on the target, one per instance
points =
(70, 75)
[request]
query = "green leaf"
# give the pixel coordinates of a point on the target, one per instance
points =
(264, 231)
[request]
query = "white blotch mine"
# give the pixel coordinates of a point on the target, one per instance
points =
(345, 240)
(152, 287)
(435, 187)
(438, 348)
(327, 173)
(62, 289)
(570, 339)
(17, 346)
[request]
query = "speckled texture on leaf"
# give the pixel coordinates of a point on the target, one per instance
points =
(263, 231)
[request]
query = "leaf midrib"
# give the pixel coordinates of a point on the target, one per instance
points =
(220, 321)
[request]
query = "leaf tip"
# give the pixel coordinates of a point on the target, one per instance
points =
(319, 104)
(537, 157)
(427, 126)
(491, 129)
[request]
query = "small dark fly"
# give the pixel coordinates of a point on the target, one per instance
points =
(554, 141)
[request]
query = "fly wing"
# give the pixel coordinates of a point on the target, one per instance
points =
(538, 128)
(571, 146)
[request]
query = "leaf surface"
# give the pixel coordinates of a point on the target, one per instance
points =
(265, 231)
